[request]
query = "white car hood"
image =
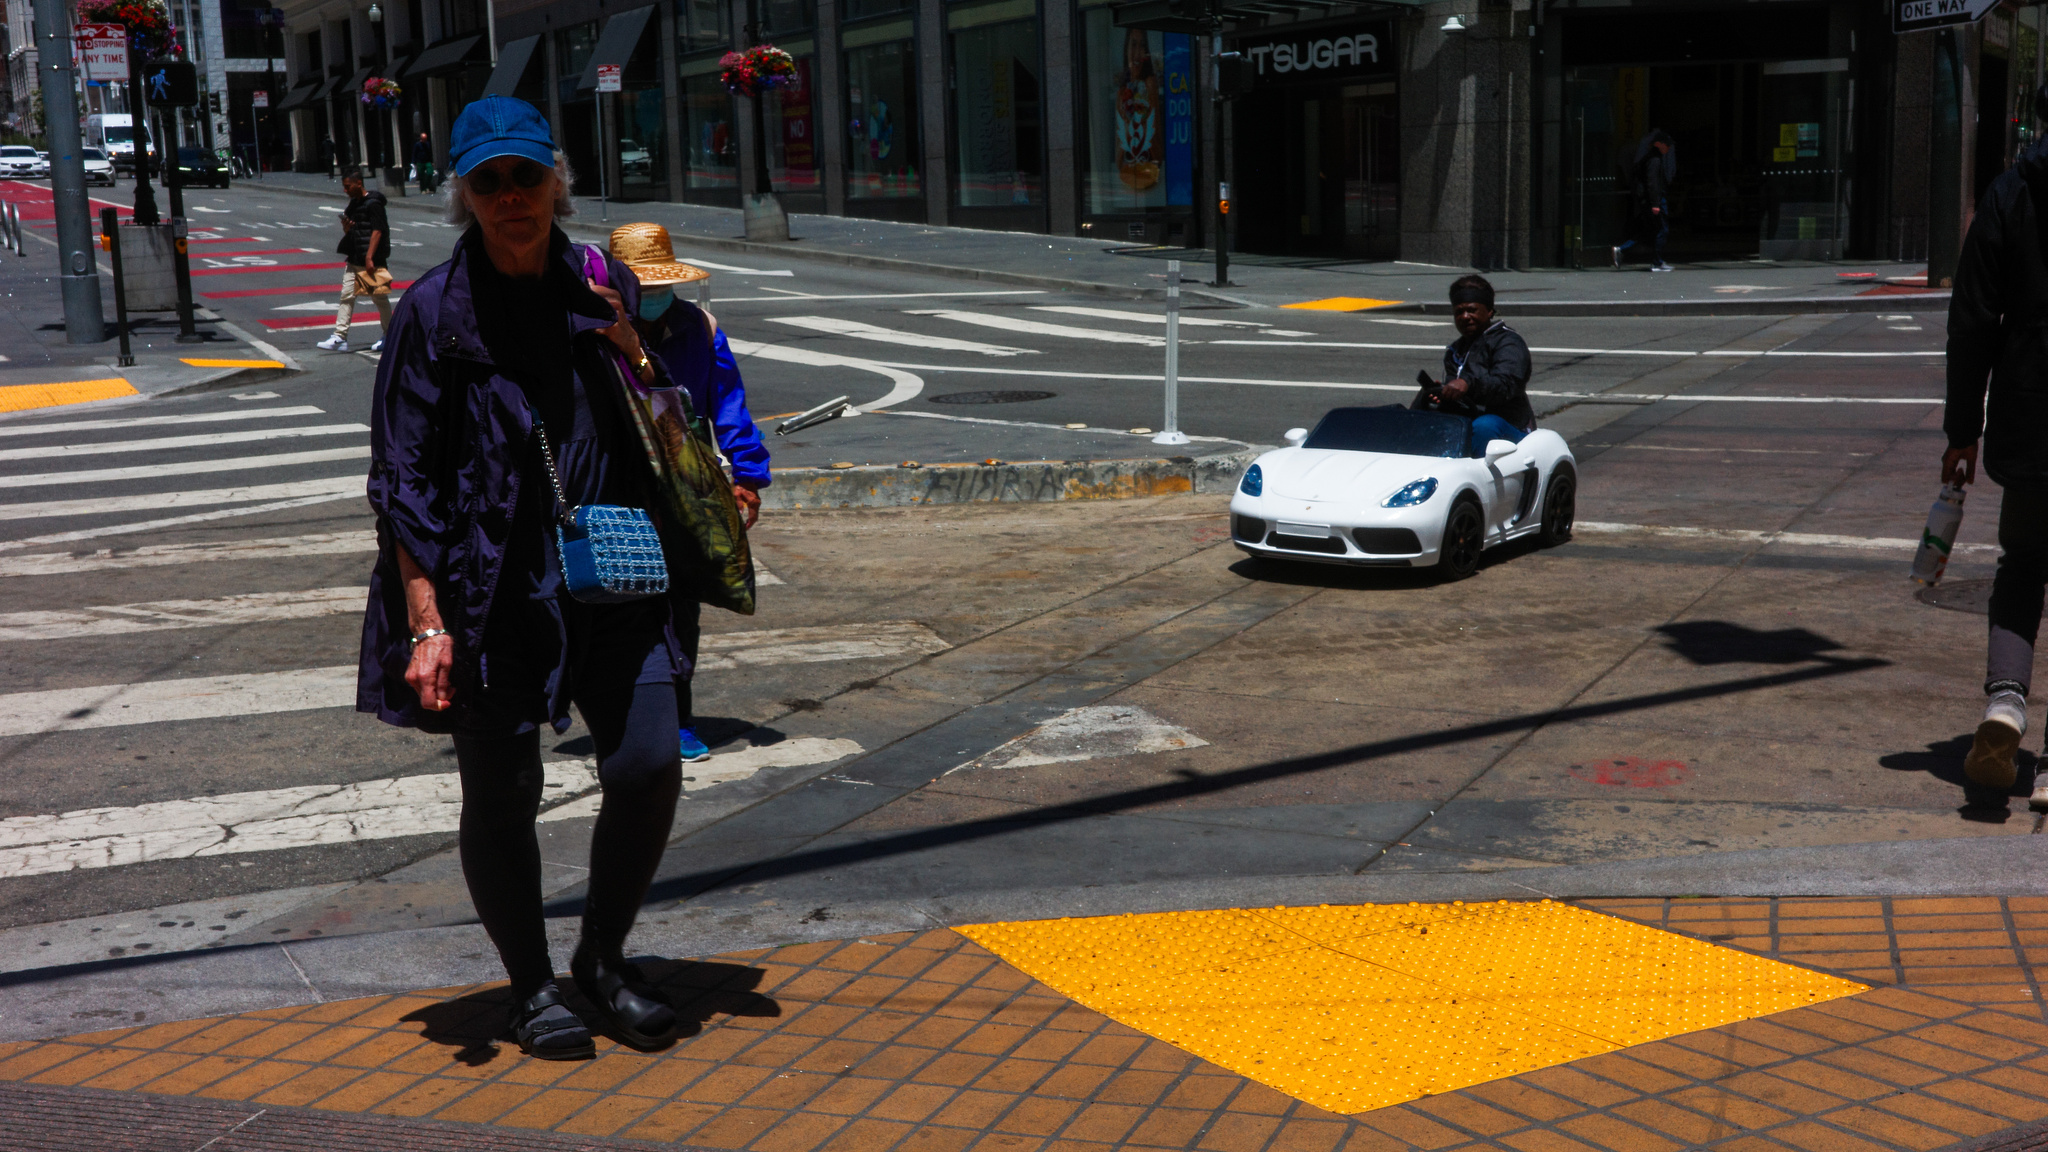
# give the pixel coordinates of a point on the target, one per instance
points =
(1324, 474)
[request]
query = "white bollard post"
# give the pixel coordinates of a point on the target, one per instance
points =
(1171, 433)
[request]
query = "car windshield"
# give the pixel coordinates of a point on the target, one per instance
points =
(190, 156)
(1393, 429)
(19, 151)
(92, 154)
(119, 134)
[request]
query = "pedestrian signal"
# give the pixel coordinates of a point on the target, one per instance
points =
(170, 83)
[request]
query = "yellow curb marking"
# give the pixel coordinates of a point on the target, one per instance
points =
(234, 363)
(1343, 304)
(20, 397)
(1360, 1007)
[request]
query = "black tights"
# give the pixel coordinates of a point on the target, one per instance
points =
(638, 769)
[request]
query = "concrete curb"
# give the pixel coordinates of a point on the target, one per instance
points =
(1745, 306)
(1003, 482)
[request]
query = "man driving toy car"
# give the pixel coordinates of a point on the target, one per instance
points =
(1486, 370)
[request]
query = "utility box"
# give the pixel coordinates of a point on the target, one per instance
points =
(148, 272)
(394, 182)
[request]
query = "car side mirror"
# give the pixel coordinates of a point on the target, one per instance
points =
(1294, 437)
(1495, 449)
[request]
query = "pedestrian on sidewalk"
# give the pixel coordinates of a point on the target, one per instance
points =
(327, 155)
(689, 342)
(1994, 333)
(366, 245)
(498, 408)
(1650, 176)
(423, 163)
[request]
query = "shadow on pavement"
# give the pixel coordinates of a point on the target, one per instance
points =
(474, 1024)
(1943, 760)
(1707, 642)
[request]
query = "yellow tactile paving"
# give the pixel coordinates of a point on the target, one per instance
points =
(20, 397)
(1343, 304)
(1360, 1007)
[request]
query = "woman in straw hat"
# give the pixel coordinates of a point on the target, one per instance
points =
(689, 343)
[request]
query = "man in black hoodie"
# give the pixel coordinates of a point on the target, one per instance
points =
(366, 245)
(1650, 175)
(1998, 329)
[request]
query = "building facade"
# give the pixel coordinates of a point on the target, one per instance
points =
(1491, 133)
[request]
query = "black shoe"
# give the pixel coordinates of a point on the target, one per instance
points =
(547, 1029)
(623, 998)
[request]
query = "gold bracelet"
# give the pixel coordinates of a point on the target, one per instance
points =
(644, 362)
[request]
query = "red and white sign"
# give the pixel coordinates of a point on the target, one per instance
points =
(102, 50)
(259, 99)
(608, 78)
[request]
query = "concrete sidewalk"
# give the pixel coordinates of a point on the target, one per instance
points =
(1134, 271)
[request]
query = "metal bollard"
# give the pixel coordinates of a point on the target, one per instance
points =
(110, 228)
(20, 247)
(1172, 434)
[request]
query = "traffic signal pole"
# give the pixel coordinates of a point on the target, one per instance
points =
(77, 272)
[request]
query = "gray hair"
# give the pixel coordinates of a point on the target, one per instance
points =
(459, 213)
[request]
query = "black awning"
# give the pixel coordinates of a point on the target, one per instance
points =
(326, 88)
(513, 61)
(352, 88)
(448, 56)
(298, 97)
(616, 43)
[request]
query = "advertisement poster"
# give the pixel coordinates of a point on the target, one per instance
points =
(1180, 119)
(1140, 141)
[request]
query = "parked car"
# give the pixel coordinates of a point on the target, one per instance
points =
(197, 167)
(22, 161)
(1394, 487)
(98, 168)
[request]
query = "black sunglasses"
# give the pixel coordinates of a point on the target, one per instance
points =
(488, 181)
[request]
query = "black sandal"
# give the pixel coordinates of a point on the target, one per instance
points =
(625, 1002)
(547, 1029)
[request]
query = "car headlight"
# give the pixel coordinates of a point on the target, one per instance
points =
(1414, 493)
(1254, 481)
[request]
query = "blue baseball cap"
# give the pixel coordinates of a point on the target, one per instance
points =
(499, 126)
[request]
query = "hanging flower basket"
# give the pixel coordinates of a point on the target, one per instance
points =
(380, 93)
(150, 34)
(747, 72)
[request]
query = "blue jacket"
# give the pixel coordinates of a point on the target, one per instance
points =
(448, 433)
(707, 371)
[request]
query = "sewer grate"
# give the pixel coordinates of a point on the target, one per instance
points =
(991, 397)
(1959, 596)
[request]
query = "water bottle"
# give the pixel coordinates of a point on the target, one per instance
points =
(1943, 521)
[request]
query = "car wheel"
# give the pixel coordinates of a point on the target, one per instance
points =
(1464, 537)
(1560, 505)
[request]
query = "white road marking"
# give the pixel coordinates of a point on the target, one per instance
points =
(160, 555)
(735, 268)
(788, 296)
(1160, 318)
(770, 646)
(1408, 323)
(168, 522)
(194, 498)
(856, 330)
(726, 767)
(907, 385)
(1677, 353)
(156, 421)
(194, 698)
(309, 306)
(149, 932)
(161, 615)
(1088, 734)
(1752, 536)
(1040, 328)
(185, 467)
(101, 449)
(1727, 451)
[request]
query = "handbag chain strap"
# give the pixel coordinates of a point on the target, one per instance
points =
(547, 457)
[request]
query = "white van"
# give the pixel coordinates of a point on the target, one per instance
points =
(114, 134)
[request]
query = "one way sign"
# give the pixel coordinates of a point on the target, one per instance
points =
(1920, 15)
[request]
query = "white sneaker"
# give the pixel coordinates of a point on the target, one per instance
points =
(1617, 257)
(333, 344)
(2039, 800)
(1990, 760)
(1660, 266)
(377, 347)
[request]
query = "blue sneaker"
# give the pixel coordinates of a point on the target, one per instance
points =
(693, 749)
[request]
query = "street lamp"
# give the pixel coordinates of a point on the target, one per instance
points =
(1453, 24)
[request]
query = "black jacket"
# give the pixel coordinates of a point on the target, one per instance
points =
(1998, 328)
(366, 216)
(1496, 365)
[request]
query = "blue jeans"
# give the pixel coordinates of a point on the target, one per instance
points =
(1490, 427)
(1659, 227)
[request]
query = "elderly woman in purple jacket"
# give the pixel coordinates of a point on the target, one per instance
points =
(502, 350)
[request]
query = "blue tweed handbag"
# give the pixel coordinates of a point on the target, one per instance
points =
(610, 553)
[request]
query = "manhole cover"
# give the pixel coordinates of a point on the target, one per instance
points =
(1959, 596)
(991, 397)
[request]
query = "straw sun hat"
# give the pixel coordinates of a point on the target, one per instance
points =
(645, 248)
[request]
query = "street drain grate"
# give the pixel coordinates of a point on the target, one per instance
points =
(1959, 596)
(991, 397)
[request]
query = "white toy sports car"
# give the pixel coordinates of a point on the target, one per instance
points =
(1394, 487)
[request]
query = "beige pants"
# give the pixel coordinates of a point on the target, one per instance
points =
(346, 313)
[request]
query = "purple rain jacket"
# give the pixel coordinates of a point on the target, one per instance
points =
(707, 371)
(447, 434)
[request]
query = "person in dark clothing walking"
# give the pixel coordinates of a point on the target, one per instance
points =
(1998, 331)
(423, 163)
(327, 155)
(1650, 176)
(1486, 370)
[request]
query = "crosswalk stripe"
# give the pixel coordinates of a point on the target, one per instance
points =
(161, 555)
(167, 522)
(770, 646)
(1041, 328)
(152, 421)
(200, 441)
(834, 326)
(266, 268)
(1160, 318)
(161, 615)
(185, 467)
(193, 498)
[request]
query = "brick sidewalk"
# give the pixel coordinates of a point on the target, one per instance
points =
(926, 1042)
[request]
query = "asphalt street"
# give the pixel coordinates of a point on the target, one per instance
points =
(1727, 657)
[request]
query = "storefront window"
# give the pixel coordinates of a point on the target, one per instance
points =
(881, 104)
(711, 151)
(702, 24)
(861, 9)
(643, 158)
(1139, 104)
(573, 49)
(999, 149)
(793, 131)
(782, 16)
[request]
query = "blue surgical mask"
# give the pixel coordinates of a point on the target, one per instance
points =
(655, 301)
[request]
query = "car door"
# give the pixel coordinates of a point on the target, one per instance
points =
(1506, 479)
